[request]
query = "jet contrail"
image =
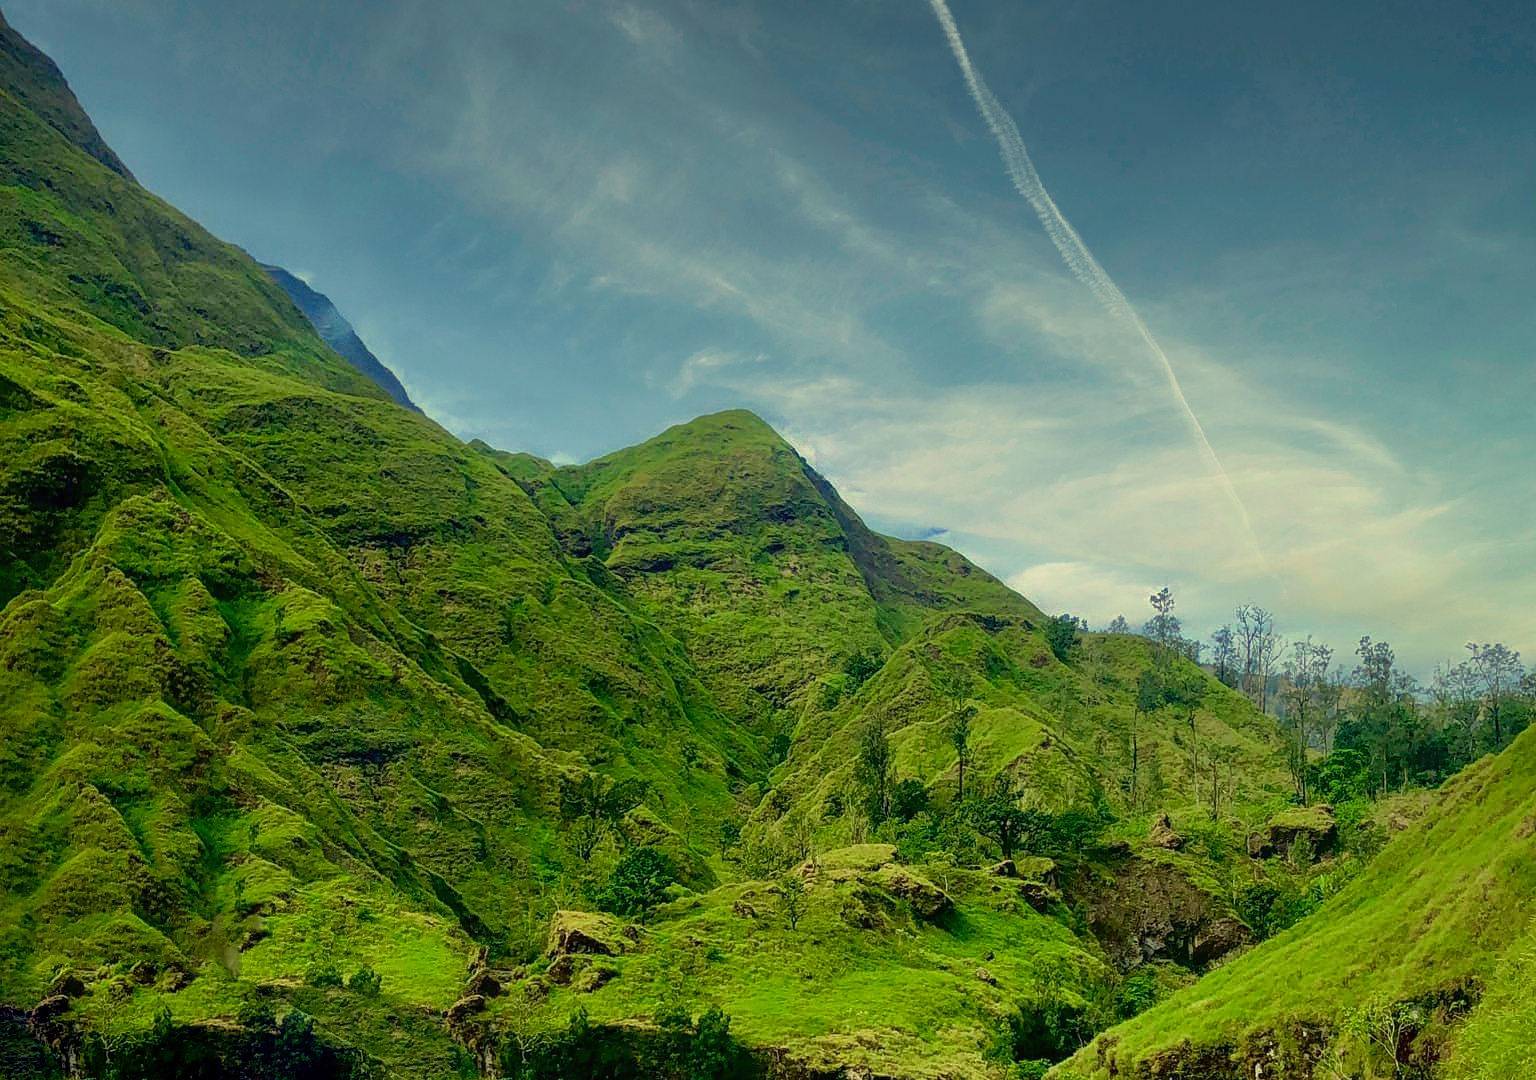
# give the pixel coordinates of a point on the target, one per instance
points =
(1078, 258)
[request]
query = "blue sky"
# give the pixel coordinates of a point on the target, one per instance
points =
(568, 225)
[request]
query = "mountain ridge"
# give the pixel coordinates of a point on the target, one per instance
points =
(35, 80)
(337, 332)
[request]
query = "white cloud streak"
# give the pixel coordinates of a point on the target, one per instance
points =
(1021, 170)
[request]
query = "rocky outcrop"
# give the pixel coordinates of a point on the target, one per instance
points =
(1309, 829)
(1294, 1053)
(483, 984)
(927, 899)
(463, 1010)
(67, 984)
(594, 978)
(849, 863)
(585, 932)
(1039, 895)
(1162, 835)
(1143, 909)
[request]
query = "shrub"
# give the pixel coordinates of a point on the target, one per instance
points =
(365, 981)
(639, 882)
(323, 975)
(859, 668)
(682, 1048)
(730, 834)
(908, 799)
(778, 748)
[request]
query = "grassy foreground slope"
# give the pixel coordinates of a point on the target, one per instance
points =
(1380, 981)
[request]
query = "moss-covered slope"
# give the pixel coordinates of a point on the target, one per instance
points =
(1438, 925)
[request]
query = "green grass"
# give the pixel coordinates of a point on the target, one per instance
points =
(1445, 904)
(901, 998)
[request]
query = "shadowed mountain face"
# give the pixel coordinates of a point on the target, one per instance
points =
(336, 332)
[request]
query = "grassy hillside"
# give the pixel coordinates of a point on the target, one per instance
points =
(314, 714)
(1377, 983)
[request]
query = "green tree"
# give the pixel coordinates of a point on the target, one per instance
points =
(1185, 690)
(860, 668)
(873, 771)
(730, 835)
(792, 898)
(685, 1048)
(958, 729)
(908, 799)
(778, 748)
(639, 882)
(997, 815)
(594, 806)
(1061, 636)
(1164, 627)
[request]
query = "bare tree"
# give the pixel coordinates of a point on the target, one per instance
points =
(1305, 697)
(1496, 672)
(1224, 656)
(958, 729)
(1257, 647)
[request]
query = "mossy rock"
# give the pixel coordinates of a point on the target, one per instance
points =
(859, 858)
(1311, 826)
(928, 901)
(594, 933)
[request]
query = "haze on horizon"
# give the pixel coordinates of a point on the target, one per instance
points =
(568, 226)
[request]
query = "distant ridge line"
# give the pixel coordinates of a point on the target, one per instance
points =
(337, 332)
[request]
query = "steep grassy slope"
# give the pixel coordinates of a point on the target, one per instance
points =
(721, 530)
(292, 683)
(1383, 971)
(35, 83)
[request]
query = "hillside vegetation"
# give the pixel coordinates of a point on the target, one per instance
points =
(1379, 981)
(334, 746)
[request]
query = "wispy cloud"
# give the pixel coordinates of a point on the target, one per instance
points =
(705, 365)
(651, 190)
(1076, 254)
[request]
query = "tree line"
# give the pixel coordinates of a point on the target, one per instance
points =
(1353, 729)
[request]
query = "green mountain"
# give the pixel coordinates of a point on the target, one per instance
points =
(334, 746)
